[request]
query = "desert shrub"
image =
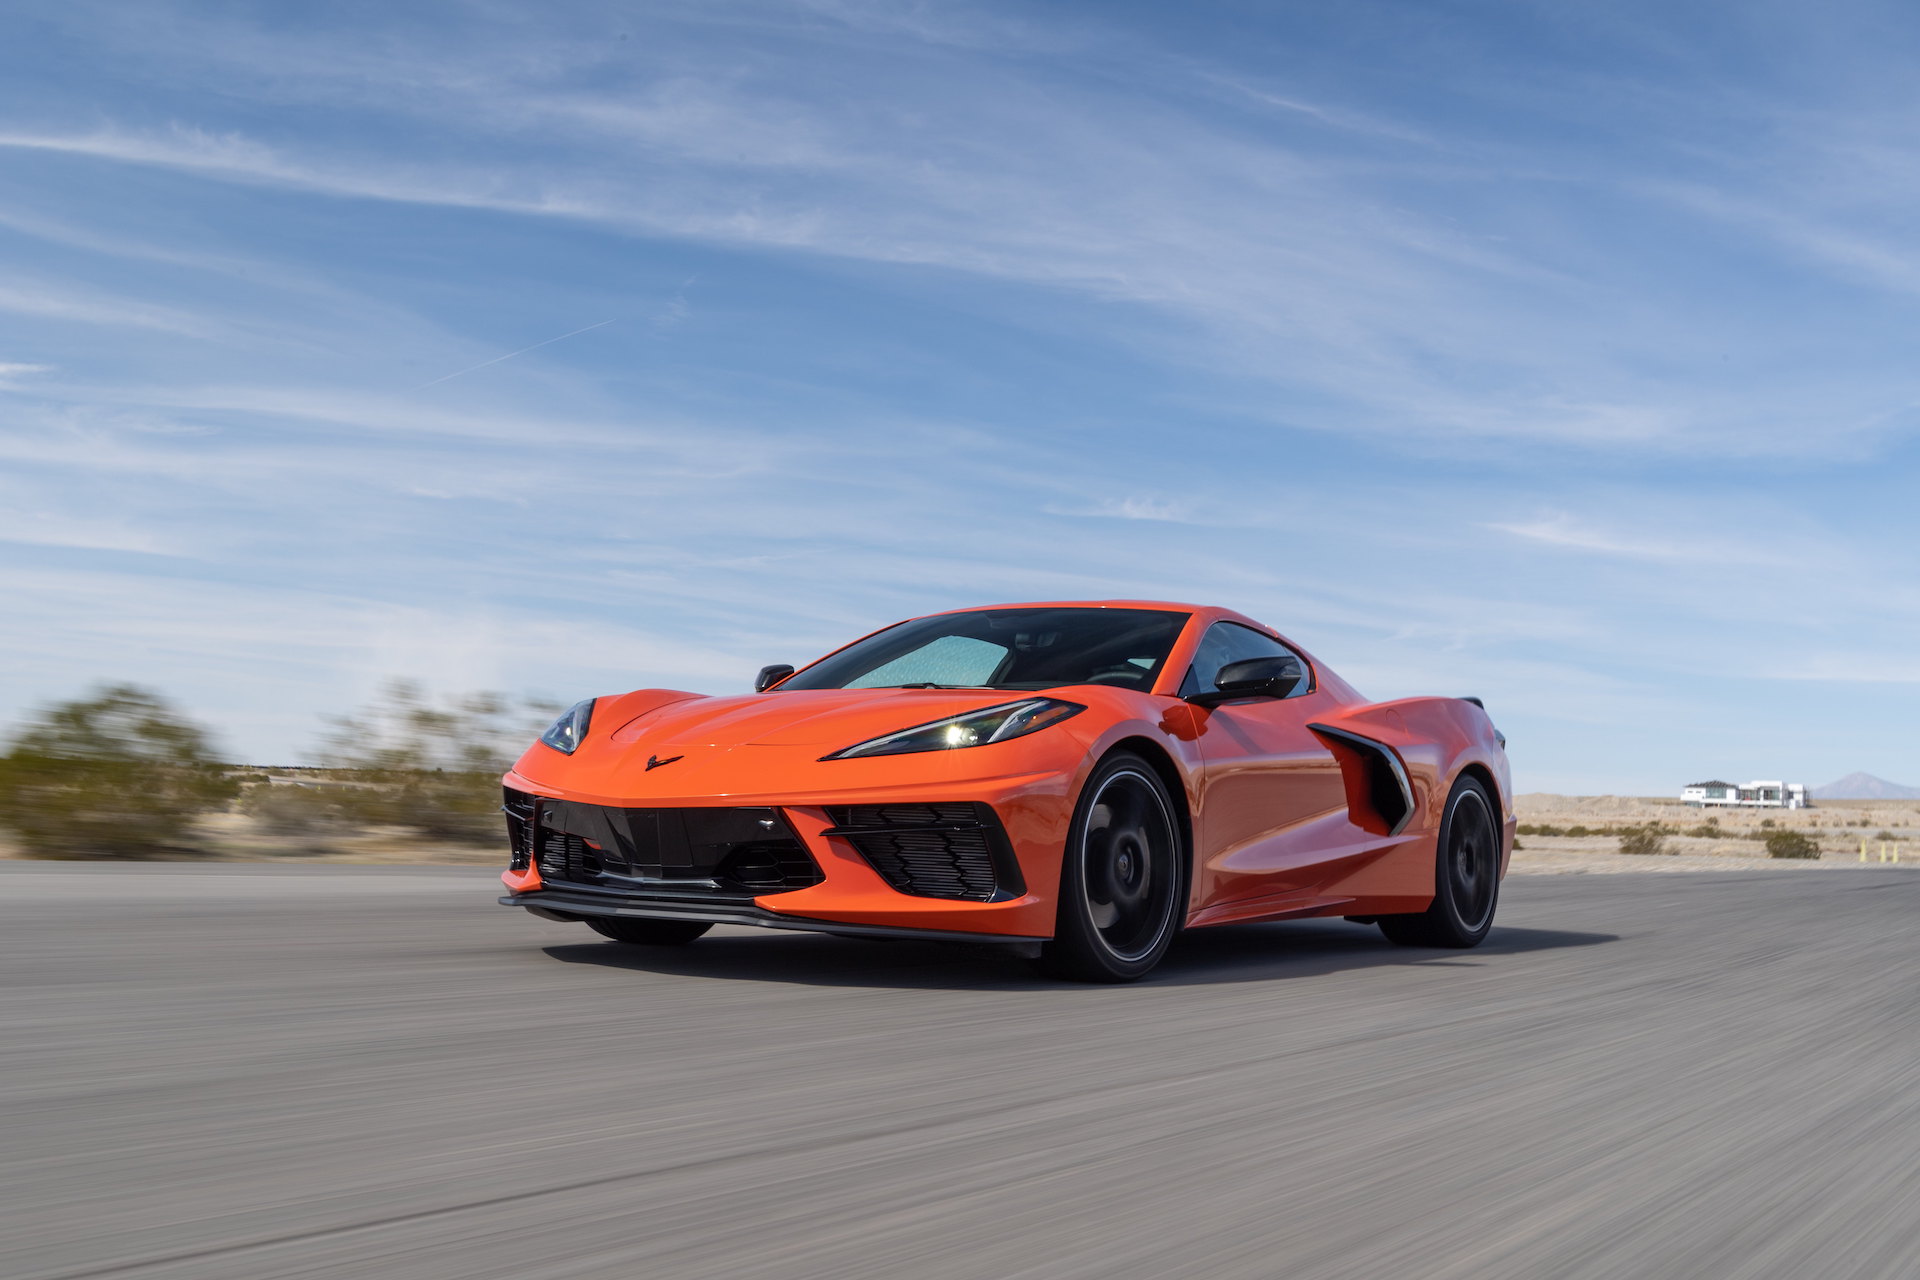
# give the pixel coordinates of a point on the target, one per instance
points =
(299, 809)
(1577, 830)
(1766, 822)
(1792, 844)
(433, 766)
(1649, 839)
(1886, 835)
(1706, 830)
(121, 774)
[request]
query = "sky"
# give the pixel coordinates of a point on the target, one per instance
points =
(1561, 355)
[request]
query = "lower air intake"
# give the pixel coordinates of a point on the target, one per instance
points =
(948, 850)
(737, 851)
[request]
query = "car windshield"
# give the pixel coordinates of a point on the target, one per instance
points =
(1005, 649)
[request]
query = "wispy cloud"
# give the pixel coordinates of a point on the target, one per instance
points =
(1705, 551)
(80, 306)
(13, 372)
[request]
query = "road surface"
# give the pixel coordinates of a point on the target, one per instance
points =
(213, 1072)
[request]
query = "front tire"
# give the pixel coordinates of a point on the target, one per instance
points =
(1123, 878)
(1466, 876)
(648, 933)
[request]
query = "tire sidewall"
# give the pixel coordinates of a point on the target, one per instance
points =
(1443, 900)
(1075, 928)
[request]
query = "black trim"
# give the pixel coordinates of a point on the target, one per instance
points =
(744, 851)
(1387, 785)
(552, 904)
(892, 837)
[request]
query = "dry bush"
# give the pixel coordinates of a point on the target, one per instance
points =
(431, 766)
(1792, 844)
(1647, 840)
(303, 809)
(118, 775)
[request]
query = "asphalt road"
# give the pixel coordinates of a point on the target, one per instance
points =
(345, 1072)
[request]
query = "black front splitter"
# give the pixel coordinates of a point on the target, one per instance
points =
(559, 904)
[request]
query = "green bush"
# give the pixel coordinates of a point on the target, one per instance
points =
(1577, 830)
(1648, 840)
(1766, 822)
(1706, 830)
(432, 767)
(1792, 844)
(118, 775)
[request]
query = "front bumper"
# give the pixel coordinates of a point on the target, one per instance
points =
(852, 896)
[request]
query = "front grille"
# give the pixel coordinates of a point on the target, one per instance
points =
(946, 850)
(745, 852)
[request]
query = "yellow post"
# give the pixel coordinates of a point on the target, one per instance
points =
(1863, 848)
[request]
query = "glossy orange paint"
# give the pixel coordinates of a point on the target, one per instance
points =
(1278, 826)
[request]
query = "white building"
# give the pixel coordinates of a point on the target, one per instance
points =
(1755, 795)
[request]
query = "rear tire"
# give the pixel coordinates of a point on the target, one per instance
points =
(648, 933)
(1122, 879)
(1466, 876)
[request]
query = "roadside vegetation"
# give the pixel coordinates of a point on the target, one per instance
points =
(122, 773)
(1791, 844)
(1646, 840)
(119, 774)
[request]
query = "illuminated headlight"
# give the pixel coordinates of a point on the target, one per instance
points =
(566, 733)
(972, 729)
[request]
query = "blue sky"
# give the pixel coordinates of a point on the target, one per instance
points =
(1566, 359)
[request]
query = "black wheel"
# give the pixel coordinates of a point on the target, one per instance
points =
(648, 933)
(1466, 876)
(1122, 881)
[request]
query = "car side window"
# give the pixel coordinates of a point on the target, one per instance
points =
(1227, 642)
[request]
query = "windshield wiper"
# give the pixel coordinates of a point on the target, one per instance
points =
(933, 684)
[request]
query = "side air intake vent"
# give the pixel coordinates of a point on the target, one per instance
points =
(948, 850)
(1378, 794)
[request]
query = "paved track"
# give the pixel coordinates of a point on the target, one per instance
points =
(343, 1072)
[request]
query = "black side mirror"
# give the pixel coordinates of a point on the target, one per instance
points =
(770, 676)
(1274, 677)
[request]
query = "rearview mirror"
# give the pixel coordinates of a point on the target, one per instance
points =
(1273, 677)
(770, 676)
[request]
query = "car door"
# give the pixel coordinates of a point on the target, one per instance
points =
(1273, 807)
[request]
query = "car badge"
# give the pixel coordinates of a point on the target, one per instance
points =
(654, 762)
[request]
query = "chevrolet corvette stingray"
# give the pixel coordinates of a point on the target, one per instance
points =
(1084, 780)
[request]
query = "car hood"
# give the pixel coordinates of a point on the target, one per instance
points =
(802, 718)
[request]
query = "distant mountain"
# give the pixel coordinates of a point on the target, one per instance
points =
(1864, 786)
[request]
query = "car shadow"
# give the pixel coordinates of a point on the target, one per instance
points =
(1228, 953)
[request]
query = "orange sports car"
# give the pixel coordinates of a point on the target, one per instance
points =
(1083, 780)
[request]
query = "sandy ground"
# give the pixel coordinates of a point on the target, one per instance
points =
(1839, 826)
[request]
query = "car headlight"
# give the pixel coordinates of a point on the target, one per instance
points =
(566, 733)
(970, 729)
